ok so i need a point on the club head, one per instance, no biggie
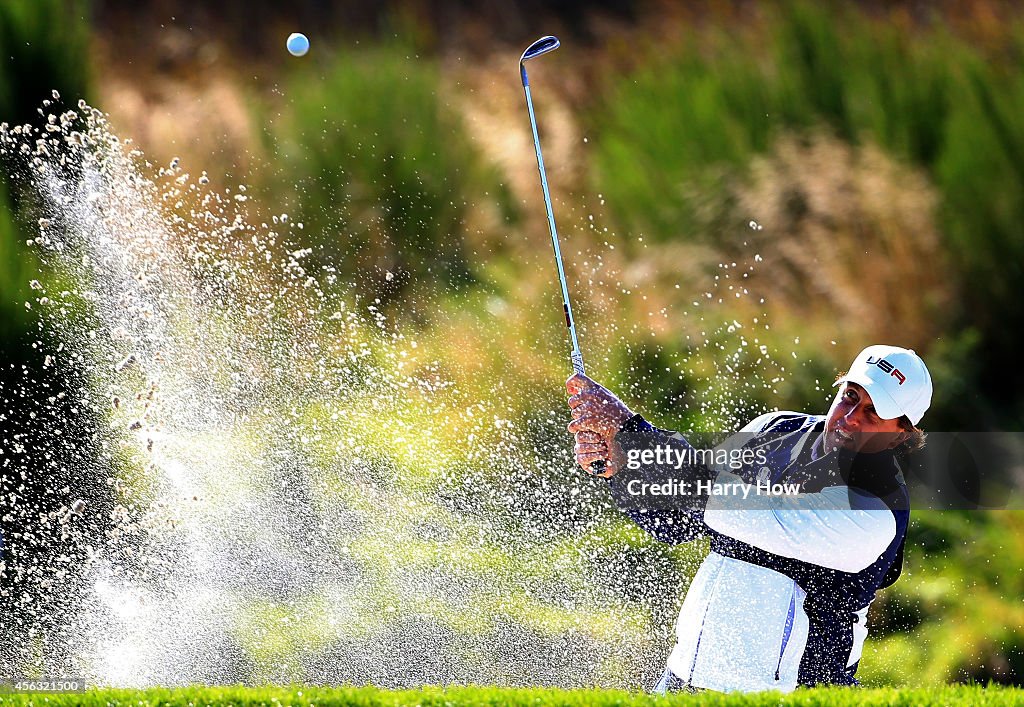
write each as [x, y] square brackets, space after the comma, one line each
[541, 46]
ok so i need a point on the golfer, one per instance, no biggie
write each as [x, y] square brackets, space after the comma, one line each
[782, 598]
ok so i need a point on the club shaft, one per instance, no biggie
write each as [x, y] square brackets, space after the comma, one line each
[576, 356]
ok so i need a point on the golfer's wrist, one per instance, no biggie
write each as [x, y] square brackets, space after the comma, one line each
[634, 433]
[616, 459]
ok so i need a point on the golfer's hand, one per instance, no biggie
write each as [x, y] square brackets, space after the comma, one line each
[591, 448]
[597, 416]
[595, 408]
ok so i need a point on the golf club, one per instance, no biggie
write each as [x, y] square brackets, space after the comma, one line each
[543, 46]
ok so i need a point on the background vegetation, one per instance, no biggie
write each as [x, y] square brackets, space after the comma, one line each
[747, 196]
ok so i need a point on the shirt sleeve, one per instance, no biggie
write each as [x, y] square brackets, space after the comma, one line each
[668, 521]
[839, 527]
[736, 442]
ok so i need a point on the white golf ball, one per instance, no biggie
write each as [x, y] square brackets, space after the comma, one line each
[298, 44]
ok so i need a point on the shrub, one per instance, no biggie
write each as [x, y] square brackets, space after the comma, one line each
[380, 168]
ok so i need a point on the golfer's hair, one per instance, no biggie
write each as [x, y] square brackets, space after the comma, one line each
[914, 443]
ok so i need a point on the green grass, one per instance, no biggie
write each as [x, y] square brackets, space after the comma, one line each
[456, 696]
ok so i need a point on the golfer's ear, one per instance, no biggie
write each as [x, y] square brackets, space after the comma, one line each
[577, 382]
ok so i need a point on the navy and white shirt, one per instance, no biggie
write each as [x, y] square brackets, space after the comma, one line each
[782, 598]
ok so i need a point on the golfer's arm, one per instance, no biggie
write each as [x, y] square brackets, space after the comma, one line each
[667, 521]
[840, 527]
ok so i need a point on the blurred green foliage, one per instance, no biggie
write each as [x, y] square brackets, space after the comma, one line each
[381, 171]
[370, 149]
[928, 98]
[956, 613]
[15, 272]
[44, 47]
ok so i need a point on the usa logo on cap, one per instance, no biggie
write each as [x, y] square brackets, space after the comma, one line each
[896, 379]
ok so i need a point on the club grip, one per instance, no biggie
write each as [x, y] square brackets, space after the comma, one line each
[597, 468]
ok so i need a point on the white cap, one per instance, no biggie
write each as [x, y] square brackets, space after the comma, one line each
[896, 379]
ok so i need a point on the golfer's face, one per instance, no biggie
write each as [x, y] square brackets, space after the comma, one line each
[854, 425]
